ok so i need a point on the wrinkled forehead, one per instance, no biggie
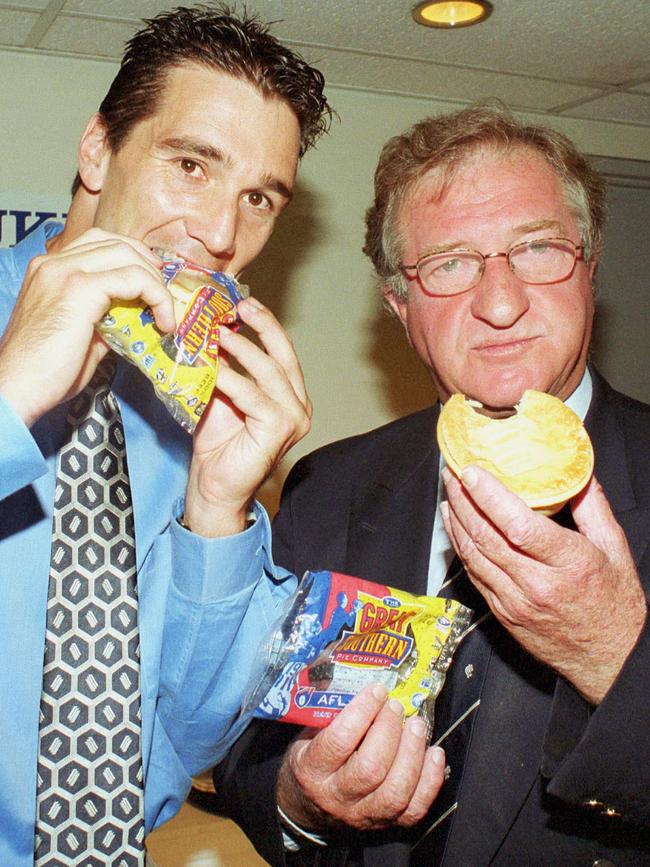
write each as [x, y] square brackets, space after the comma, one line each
[438, 176]
[436, 181]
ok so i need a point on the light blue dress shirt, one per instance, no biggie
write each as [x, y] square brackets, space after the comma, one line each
[204, 605]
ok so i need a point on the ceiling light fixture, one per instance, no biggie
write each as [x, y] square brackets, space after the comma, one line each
[451, 13]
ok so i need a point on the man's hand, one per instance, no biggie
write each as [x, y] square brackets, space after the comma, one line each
[50, 348]
[572, 599]
[251, 423]
[367, 770]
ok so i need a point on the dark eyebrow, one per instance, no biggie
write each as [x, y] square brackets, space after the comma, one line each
[277, 186]
[216, 155]
[198, 148]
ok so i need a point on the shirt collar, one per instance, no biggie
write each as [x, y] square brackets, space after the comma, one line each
[581, 398]
[34, 244]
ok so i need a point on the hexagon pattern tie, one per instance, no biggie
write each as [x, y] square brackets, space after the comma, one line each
[89, 803]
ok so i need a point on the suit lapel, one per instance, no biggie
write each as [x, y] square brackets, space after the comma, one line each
[612, 467]
[389, 539]
[391, 522]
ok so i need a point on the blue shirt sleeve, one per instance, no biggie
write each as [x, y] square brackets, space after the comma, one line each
[22, 461]
[223, 598]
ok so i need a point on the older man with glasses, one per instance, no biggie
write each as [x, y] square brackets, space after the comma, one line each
[485, 234]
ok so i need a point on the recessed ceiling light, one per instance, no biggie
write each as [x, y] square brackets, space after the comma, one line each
[451, 13]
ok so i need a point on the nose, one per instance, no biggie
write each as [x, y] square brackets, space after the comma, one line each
[500, 298]
[214, 225]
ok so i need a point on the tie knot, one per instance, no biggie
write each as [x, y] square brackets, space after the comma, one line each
[95, 397]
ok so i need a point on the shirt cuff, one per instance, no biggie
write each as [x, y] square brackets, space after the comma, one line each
[22, 461]
[210, 570]
[289, 828]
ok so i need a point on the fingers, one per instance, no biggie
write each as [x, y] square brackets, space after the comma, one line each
[428, 786]
[110, 269]
[96, 270]
[63, 296]
[124, 284]
[255, 417]
[512, 555]
[368, 769]
[371, 763]
[491, 581]
[100, 241]
[496, 521]
[313, 783]
[595, 520]
[334, 745]
[131, 283]
[95, 252]
[272, 425]
[274, 389]
[276, 342]
[413, 779]
[475, 539]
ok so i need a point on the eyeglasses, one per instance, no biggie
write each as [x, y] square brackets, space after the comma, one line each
[544, 260]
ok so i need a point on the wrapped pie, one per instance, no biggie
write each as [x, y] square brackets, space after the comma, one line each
[182, 365]
[342, 633]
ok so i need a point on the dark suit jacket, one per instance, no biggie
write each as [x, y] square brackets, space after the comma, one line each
[548, 779]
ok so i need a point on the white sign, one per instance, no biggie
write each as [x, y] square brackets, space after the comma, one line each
[21, 213]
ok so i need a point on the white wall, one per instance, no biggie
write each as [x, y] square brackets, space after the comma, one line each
[313, 273]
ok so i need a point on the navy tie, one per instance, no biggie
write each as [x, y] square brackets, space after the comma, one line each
[456, 709]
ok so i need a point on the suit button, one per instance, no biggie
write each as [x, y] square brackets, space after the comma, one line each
[603, 862]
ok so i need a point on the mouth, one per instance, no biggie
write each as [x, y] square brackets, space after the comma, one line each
[504, 348]
[168, 254]
[165, 253]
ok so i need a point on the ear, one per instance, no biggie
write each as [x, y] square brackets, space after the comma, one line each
[396, 304]
[593, 264]
[94, 154]
[399, 306]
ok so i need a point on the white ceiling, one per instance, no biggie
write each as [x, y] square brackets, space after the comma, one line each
[575, 58]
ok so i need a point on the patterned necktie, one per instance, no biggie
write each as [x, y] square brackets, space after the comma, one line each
[89, 802]
[456, 711]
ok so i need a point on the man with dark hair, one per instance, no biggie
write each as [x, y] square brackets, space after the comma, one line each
[242, 48]
[126, 653]
[485, 233]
